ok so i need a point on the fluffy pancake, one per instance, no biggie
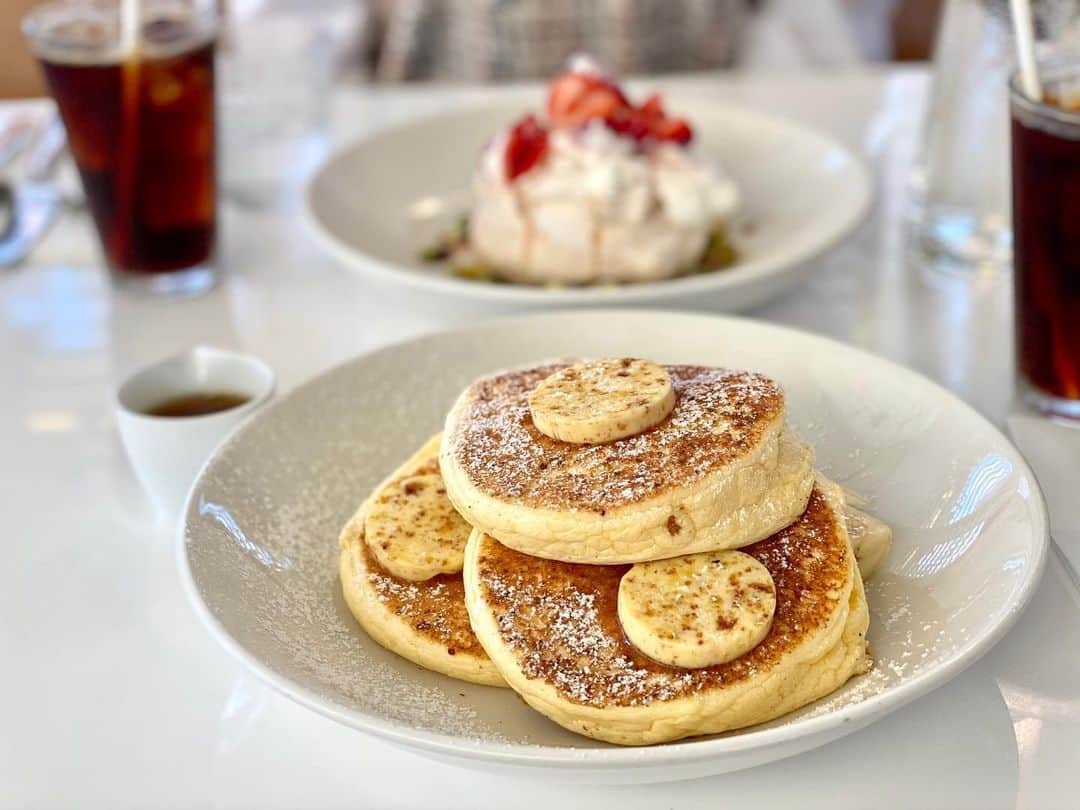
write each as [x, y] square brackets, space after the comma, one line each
[423, 621]
[721, 471]
[552, 630]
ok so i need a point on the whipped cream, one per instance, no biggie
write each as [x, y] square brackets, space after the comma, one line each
[598, 208]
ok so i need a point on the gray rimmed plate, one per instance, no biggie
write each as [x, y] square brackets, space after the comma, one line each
[258, 546]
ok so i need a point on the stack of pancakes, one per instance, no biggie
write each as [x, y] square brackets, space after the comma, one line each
[642, 552]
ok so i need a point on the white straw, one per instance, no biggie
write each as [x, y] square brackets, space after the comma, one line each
[1025, 49]
[129, 27]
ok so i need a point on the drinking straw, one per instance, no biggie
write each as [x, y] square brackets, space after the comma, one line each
[1032, 87]
[129, 28]
[1025, 49]
[226, 38]
[130, 22]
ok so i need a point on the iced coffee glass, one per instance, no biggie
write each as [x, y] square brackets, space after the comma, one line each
[139, 114]
[1046, 228]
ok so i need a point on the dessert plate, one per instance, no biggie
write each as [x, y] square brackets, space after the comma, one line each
[377, 203]
[258, 547]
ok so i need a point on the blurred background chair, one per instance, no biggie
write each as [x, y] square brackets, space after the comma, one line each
[511, 40]
[508, 40]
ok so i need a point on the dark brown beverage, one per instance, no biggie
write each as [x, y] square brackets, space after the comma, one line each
[1046, 237]
[141, 129]
[201, 404]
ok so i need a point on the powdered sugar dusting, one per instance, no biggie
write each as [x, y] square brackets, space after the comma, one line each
[576, 629]
[295, 619]
[434, 608]
[902, 644]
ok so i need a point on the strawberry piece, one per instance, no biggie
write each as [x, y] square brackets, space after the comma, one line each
[563, 94]
[652, 107]
[525, 147]
[629, 123]
[649, 122]
[676, 130]
[575, 98]
[595, 104]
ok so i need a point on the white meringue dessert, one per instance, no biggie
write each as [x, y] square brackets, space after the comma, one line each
[597, 191]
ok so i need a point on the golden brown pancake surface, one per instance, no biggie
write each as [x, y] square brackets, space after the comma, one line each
[434, 608]
[424, 621]
[560, 620]
[719, 415]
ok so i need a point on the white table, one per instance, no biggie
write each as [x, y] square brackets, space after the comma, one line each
[112, 695]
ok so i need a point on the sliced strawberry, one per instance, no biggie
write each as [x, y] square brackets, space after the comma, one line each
[649, 122]
[595, 104]
[629, 123]
[575, 98]
[525, 147]
[652, 107]
[676, 130]
[564, 92]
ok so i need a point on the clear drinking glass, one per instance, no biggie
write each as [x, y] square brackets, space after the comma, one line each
[1046, 223]
[140, 125]
[960, 199]
[960, 189]
[276, 68]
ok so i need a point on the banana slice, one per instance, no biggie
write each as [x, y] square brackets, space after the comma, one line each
[699, 609]
[413, 530]
[602, 400]
[870, 539]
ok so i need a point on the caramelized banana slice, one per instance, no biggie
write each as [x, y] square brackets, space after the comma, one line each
[602, 400]
[413, 530]
[697, 610]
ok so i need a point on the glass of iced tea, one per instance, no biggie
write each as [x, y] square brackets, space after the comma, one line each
[1046, 237]
[140, 124]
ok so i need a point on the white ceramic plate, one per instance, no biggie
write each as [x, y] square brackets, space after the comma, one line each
[259, 543]
[802, 191]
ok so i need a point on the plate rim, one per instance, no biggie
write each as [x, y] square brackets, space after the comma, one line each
[683, 752]
[369, 266]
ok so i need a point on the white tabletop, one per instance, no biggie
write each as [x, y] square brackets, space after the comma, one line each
[112, 694]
